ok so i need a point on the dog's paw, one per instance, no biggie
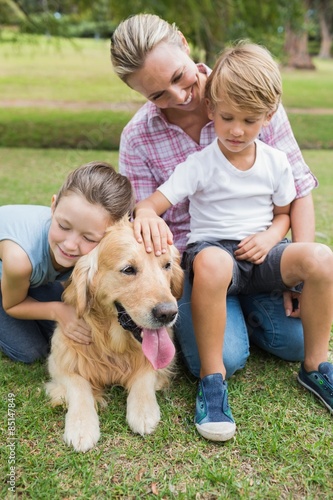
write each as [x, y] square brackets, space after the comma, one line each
[82, 431]
[144, 418]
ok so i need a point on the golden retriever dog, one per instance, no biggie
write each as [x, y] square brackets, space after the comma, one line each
[129, 299]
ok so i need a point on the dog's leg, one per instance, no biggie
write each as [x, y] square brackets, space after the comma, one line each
[82, 424]
[143, 412]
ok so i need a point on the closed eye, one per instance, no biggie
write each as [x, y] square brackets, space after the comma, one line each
[129, 270]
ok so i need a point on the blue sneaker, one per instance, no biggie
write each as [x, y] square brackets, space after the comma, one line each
[319, 382]
[213, 418]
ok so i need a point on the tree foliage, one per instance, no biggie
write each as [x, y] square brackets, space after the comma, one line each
[208, 24]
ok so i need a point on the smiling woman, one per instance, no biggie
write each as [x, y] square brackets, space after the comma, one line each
[39, 247]
[172, 125]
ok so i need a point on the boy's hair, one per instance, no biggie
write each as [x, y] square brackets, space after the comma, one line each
[245, 76]
[100, 184]
[135, 37]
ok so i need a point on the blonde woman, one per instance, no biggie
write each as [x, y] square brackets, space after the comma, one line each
[153, 58]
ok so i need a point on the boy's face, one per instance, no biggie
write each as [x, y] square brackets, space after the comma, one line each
[77, 227]
[237, 129]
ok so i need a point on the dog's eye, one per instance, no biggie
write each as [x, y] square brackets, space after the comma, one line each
[167, 265]
[129, 270]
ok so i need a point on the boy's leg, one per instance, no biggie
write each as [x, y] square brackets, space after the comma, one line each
[213, 271]
[312, 263]
[236, 342]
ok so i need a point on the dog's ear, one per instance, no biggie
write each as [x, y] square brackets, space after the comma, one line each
[79, 292]
[177, 277]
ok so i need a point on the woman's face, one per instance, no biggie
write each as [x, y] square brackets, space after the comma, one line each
[170, 79]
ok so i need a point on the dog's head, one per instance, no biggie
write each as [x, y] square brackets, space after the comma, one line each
[119, 279]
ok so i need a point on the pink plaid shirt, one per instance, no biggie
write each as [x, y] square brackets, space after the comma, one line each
[151, 147]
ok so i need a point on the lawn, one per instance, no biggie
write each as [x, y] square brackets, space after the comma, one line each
[282, 448]
[66, 95]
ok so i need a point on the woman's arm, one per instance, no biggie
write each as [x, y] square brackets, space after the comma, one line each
[303, 219]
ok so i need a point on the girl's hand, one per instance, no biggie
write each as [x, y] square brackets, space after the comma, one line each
[254, 248]
[153, 231]
[73, 327]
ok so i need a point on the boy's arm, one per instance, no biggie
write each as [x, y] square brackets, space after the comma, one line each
[255, 247]
[149, 228]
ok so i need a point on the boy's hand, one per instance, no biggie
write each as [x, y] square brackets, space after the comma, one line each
[254, 248]
[153, 231]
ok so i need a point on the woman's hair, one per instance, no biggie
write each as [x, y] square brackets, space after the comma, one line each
[135, 37]
[245, 76]
[100, 184]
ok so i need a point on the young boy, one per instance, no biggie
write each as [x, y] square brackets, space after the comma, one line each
[240, 192]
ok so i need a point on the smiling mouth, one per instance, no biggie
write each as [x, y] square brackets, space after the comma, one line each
[188, 100]
[67, 255]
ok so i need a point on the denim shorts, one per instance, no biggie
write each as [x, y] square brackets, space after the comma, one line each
[247, 277]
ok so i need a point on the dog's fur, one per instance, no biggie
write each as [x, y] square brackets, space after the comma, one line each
[117, 271]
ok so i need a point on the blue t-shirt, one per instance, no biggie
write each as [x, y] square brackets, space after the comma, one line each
[28, 226]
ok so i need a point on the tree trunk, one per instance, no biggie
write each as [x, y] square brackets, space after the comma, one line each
[296, 44]
[326, 36]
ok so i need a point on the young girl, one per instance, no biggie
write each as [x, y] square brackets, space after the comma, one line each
[39, 247]
[240, 191]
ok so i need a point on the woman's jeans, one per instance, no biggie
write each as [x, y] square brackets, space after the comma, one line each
[259, 318]
[29, 340]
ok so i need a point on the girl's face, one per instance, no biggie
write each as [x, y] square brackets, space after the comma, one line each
[170, 79]
[77, 227]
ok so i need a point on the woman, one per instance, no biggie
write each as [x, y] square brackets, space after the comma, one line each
[152, 57]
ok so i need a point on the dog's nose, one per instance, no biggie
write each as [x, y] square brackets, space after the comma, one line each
[165, 312]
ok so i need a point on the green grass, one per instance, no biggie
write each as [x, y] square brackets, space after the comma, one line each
[37, 70]
[50, 69]
[309, 89]
[283, 445]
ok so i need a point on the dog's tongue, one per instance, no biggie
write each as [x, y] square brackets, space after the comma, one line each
[157, 347]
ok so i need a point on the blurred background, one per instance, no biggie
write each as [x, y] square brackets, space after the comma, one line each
[294, 30]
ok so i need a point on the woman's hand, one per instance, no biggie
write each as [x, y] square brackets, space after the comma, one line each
[292, 304]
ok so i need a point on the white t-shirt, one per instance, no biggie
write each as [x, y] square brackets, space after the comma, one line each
[227, 203]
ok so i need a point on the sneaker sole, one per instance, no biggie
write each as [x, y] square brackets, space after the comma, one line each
[315, 393]
[216, 436]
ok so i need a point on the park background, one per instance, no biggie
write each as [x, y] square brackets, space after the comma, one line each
[61, 106]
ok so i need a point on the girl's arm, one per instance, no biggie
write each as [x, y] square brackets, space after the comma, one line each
[15, 283]
[149, 228]
[255, 247]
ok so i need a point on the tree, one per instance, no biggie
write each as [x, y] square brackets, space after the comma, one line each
[325, 16]
[296, 40]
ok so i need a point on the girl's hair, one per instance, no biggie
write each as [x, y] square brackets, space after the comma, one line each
[135, 37]
[100, 184]
[245, 76]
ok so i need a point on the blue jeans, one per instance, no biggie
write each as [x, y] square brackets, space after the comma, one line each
[29, 340]
[257, 318]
